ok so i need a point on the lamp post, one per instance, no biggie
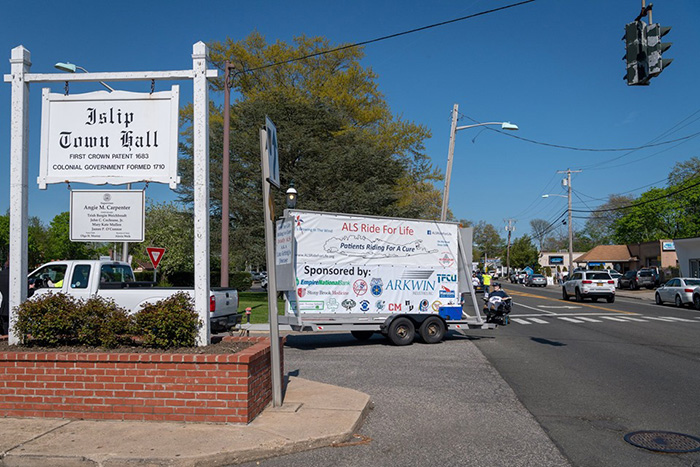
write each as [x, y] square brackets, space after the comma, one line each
[571, 232]
[453, 131]
[291, 196]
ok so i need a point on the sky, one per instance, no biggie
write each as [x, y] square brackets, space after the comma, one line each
[552, 67]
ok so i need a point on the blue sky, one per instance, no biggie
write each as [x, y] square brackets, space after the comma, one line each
[552, 67]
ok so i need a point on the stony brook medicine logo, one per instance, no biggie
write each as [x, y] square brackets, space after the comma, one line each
[376, 286]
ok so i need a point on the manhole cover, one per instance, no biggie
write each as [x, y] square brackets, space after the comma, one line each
[663, 441]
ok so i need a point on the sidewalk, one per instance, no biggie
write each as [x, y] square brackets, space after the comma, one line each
[312, 415]
[641, 294]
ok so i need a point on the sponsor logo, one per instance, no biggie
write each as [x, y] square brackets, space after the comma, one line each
[298, 221]
[436, 305]
[424, 304]
[364, 305]
[348, 304]
[394, 307]
[446, 259]
[301, 292]
[417, 274]
[446, 293]
[376, 286]
[332, 304]
[408, 306]
[381, 304]
[312, 306]
[446, 278]
[322, 282]
[359, 287]
[411, 285]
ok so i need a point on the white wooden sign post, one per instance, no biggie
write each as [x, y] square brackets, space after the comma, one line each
[20, 79]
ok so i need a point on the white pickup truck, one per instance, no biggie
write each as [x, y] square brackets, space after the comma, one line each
[115, 280]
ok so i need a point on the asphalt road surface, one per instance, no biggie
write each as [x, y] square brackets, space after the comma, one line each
[592, 372]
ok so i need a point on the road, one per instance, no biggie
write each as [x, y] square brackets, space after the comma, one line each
[592, 372]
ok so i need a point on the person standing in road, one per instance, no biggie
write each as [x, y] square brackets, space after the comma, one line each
[486, 279]
[5, 299]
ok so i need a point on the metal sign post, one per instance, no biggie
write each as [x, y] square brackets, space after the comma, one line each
[268, 202]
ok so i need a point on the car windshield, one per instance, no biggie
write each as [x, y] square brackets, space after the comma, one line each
[644, 273]
[538, 276]
[692, 282]
[598, 275]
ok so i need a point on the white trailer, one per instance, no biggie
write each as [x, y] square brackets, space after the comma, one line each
[365, 274]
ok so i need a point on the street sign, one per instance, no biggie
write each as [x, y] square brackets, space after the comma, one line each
[107, 215]
[272, 153]
[102, 137]
[156, 254]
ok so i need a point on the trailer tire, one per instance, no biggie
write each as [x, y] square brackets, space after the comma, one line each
[401, 331]
[432, 330]
[362, 335]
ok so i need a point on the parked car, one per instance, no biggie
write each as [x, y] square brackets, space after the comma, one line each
[656, 273]
[615, 276]
[536, 280]
[645, 278]
[589, 284]
[258, 275]
[679, 290]
[629, 280]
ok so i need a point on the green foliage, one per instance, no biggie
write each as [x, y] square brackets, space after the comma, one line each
[4, 238]
[50, 319]
[102, 323]
[488, 241]
[524, 253]
[59, 245]
[171, 322]
[548, 271]
[241, 280]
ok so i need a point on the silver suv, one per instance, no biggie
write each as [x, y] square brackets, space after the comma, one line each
[589, 284]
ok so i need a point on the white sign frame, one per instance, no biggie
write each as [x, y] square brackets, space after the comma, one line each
[97, 222]
[150, 164]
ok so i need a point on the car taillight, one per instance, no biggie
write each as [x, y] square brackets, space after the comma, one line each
[586, 282]
[689, 290]
[212, 304]
[611, 282]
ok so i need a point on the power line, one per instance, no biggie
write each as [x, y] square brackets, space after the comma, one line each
[383, 38]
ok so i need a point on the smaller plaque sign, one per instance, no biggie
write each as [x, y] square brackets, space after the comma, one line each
[107, 215]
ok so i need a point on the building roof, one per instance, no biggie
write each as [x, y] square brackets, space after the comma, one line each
[606, 254]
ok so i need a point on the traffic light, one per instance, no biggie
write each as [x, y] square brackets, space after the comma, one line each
[655, 48]
[636, 54]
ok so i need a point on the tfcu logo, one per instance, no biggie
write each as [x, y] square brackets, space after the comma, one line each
[446, 293]
[446, 278]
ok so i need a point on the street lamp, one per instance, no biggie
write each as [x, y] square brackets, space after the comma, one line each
[291, 196]
[72, 67]
[450, 153]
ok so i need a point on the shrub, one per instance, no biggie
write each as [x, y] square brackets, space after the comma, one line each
[241, 280]
[50, 319]
[103, 323]
[171, 322]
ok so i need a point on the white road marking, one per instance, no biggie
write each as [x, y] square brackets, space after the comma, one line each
[573, 320]
[589, 319]
[679, 319]
[630, 318]
[521, 321]
[539, 321]
[536, 309]
[558, 306]
[613, 318]
[658, 318]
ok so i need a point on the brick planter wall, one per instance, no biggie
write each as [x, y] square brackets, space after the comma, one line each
[225, 388]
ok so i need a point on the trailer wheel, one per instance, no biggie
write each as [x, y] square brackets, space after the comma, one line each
[401, 331]
[432, 330]
[362, 335]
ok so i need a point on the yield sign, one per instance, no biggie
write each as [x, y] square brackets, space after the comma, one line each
[156, 254]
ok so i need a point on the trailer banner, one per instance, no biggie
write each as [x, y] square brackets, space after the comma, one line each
[352, 264]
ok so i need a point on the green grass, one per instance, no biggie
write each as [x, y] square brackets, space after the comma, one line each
[257, 301]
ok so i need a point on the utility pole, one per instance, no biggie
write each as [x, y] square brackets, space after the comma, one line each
[567, 181]
[510, 228]
[225, 183]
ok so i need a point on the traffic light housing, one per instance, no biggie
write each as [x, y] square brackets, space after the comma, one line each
[636, 54]
[656, 48]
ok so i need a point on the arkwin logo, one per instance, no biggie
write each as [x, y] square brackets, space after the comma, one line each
[410, 285]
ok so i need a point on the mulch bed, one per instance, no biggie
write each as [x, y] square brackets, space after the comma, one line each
[218, 346]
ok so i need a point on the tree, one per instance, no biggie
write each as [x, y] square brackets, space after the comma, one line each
[524, 253]
[600, 226]
[170, 227]
[540, 229]
[338, 140]
[4, 238]
[58, 244]
[684, 171]
[487, 240]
